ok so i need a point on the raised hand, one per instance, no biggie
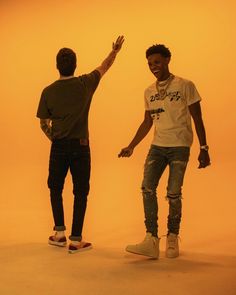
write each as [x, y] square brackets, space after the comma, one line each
[116, 46]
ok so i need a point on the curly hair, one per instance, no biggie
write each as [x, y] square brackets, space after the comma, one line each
[66, 61]
[158, 48]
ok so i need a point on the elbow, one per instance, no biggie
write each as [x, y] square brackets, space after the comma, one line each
[147, 125]
[101, 71]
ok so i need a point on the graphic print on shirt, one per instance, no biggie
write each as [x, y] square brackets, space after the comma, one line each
[175, 95]
[155, 114]
[171, 96]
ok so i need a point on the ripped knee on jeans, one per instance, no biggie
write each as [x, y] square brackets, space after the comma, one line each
[173, 197]
[148, 192]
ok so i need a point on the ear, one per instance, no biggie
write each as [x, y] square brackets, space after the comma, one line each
[167, 60]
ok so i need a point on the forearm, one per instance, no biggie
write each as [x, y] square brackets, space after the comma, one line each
[140, 134]
[46, 127]
[203, 158]
[196, 113]
[109, 60]
[201, 133]
[107, 63]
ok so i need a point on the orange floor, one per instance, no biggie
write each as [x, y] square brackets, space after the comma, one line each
[207, 264]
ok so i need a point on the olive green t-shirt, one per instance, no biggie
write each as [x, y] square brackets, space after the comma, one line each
[66, 103]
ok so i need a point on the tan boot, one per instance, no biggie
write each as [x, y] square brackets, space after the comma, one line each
[148, 247]
[172, 246]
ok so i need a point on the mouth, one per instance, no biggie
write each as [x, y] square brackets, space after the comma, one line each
[156, 72]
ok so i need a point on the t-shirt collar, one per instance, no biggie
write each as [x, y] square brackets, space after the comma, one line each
[66, 77]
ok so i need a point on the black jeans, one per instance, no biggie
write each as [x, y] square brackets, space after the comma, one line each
[73, 154]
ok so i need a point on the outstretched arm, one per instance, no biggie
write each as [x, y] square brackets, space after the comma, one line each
[106, 64]
[140, 134]
[45, 125]
[196, 113]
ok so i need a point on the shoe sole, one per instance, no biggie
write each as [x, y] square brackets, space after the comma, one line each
[80, 250]
[58, 244]
[172, 256]
[150, 256]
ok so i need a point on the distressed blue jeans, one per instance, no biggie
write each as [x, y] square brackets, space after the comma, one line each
[156, 162]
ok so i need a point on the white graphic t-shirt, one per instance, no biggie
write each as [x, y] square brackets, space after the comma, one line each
[170, 113]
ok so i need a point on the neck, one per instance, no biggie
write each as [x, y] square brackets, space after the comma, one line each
[66, 77]
[165, 76]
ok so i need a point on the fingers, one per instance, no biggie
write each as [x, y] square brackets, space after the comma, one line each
[203, 164]
[118, 44]
[204, 159]
[125, 152]
[120, 39]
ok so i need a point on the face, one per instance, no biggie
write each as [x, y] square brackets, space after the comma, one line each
[158, 65]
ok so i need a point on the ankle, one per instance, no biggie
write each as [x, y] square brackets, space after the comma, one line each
[75, 243]
[60, 234]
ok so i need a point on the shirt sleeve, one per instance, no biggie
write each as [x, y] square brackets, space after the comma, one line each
[43, 112]
[191, 93]
[92, 80]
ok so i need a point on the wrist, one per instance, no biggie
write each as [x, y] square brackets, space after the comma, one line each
[131, 146]
[204, 147]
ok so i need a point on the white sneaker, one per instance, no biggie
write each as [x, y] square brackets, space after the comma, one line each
[172, 246]
[148, 247]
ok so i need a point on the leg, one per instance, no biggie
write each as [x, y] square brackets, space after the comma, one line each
[58, 167]
[155, 164]
[177, 165]
[153, 169]
[80, 170]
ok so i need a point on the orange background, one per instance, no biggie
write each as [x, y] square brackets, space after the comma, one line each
[201, 37]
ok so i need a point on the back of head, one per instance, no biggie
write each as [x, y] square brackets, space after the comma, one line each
[66, 61]
[158, 49]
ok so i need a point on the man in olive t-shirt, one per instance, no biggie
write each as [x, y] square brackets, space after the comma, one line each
[66, 102]
[63, 111]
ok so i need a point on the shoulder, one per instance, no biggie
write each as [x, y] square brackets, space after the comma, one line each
[183, 81]
[49, 87]
[94, 75]
[189, 90]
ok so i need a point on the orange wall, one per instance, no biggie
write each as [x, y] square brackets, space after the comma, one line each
[200, 35]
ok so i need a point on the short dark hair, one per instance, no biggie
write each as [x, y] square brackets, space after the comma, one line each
[158, 48]
[66, 61]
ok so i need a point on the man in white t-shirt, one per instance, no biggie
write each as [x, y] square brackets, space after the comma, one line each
[170, 103]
